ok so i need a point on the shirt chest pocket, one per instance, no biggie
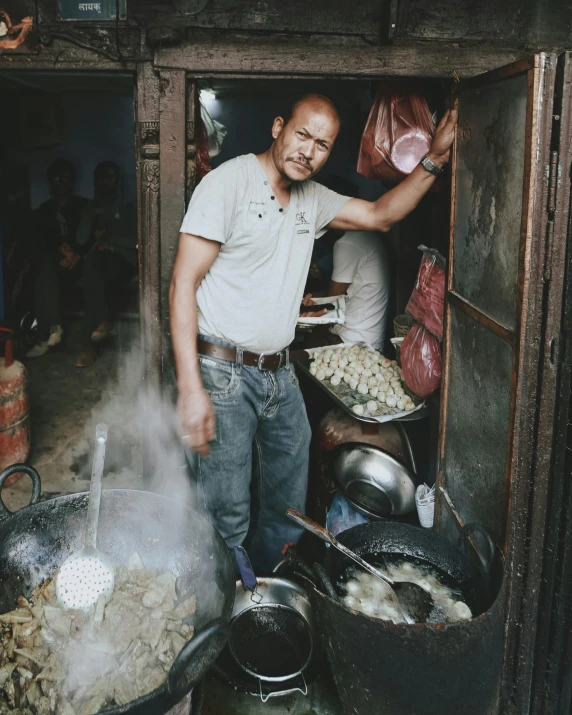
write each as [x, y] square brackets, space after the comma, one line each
[257, 218]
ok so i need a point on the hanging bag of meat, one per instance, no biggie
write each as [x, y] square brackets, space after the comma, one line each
[398, 133]
[427, 301]
[421, 361]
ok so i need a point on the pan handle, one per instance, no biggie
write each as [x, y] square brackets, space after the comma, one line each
[245, 569]
[325, 583]
[486, 560]
[296, 684]
[196, 657]
[36, 486]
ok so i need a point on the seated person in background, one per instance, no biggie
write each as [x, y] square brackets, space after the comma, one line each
[55, 226]
[109, 226]
[360, 270]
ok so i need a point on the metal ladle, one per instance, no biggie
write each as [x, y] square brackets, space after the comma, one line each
[87, 574]
[415, 602]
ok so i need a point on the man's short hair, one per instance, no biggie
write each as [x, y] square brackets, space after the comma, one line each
[316, 97]
[58, 166]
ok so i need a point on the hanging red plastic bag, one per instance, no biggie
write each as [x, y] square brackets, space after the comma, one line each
[421, 361]
[427, 301]
[398, 133]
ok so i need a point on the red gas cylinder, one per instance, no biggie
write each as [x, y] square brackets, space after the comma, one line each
[14, 409]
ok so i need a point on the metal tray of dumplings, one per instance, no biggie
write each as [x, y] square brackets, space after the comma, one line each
[342, 392]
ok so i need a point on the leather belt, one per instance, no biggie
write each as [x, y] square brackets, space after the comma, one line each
[263, 361]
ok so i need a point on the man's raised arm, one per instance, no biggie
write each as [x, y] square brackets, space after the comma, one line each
[395, 205]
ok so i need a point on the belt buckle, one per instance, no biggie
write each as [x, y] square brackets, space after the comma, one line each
[261, 357]
[261, 361]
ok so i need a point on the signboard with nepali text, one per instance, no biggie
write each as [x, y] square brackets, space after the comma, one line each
[99, 10]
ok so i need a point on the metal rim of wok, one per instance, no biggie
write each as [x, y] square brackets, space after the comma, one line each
[373, 480]
[246, 633]
[397, 541]
[36, 539]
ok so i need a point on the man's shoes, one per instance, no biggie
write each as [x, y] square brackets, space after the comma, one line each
[101, 332]
[86, 358]
[38, 350]
[56, 334]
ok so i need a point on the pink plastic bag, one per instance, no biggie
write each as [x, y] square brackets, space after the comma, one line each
[427, 301]
[421, 361]
[398, 133]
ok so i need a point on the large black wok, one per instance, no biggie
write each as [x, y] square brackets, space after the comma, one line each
[427, 668]
[36, 540]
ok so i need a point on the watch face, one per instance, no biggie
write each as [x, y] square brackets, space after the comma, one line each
[430, 166]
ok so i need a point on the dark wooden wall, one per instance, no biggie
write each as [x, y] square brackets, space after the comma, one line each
[540, 24]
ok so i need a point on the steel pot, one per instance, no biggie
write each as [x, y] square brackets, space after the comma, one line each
[373, 480]
[274, 646]
[36, 540]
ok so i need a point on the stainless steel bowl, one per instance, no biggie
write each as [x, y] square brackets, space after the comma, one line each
[376, 483]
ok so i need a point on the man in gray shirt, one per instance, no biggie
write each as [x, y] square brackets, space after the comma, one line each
[243, 257]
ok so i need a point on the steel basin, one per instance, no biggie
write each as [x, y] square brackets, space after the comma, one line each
[373, 480]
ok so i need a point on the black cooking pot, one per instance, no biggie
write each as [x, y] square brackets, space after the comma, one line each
[426, 669]
[37, 539]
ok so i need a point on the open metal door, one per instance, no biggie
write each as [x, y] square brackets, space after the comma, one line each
[498, 405]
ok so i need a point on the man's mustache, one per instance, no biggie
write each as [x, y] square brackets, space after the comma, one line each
[301, 160]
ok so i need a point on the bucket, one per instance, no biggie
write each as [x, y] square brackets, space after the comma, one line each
[426, 669]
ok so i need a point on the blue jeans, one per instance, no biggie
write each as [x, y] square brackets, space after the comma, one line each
[258, 466]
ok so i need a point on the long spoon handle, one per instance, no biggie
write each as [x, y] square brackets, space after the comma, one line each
[306, 523]
[95, 486]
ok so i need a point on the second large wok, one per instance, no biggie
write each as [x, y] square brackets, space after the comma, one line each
[36, 540]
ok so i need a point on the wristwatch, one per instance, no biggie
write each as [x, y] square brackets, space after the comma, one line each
[431, 167]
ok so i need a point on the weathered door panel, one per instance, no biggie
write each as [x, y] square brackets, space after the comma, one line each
[490, 174]
[477, 492]
[498, 171]
[503, 333]
[492, 328]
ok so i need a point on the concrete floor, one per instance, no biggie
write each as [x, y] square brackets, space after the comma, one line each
[65, 405]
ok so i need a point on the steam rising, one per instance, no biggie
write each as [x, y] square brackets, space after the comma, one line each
[142, 428]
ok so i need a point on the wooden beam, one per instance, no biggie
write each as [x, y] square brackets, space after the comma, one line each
[172, 161]
[318, 56]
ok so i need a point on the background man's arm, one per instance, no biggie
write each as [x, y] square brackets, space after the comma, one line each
[337, 288]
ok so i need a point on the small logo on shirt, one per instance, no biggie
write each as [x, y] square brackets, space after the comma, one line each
[301, 218]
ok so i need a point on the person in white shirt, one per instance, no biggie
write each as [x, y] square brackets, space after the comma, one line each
[361, 270]
[243, 257]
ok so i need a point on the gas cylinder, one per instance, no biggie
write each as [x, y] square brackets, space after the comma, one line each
[14, 408]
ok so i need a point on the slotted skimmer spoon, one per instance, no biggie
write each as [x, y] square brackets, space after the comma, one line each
[416, 603]
[87, 574]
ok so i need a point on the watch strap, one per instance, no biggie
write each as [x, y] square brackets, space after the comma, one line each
[430, 166]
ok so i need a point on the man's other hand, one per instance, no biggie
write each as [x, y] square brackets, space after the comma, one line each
[443, 139]
[307, 300]
[197, 420]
